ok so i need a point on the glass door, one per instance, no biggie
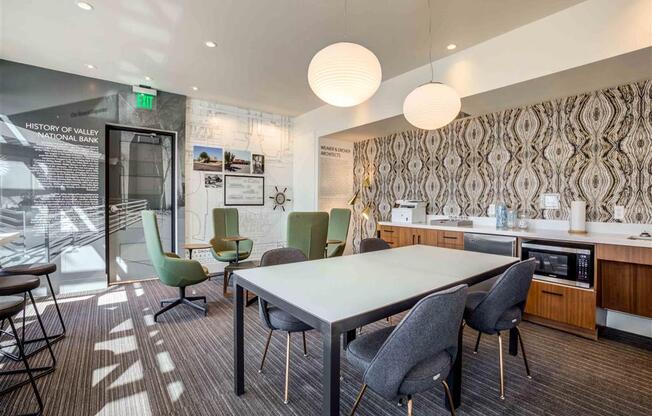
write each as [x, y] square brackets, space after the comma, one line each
[140, 172]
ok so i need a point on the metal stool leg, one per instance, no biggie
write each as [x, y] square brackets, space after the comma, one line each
[56, 305]
[28, 370]
[45, 338]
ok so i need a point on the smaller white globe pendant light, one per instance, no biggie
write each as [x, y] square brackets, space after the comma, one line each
[431, 106]
[344, 74]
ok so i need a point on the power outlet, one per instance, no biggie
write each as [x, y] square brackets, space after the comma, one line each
[492, 210]
[619, 212]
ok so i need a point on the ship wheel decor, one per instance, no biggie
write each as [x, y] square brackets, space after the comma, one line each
[280, 198]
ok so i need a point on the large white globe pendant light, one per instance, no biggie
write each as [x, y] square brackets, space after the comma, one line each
[344, 74]
[432, 105]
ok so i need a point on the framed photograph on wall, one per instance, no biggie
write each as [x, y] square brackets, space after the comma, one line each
[241, 190]
[258, 164]
[237, 161]
[207, 158]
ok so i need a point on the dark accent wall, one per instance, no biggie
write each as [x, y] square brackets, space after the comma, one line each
[52, 181]
[595, 146]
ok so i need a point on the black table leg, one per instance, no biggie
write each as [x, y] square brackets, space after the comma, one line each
[348, 337]
[513, 341]
[331, 375]
[238, 340]
[454, 378]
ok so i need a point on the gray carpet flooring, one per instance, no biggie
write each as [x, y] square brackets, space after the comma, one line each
[116, 361]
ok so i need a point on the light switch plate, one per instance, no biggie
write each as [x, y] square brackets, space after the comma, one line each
[492, 210]
[550, 201]
[619, 212]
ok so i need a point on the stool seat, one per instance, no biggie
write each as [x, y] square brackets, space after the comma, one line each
[14, 284]
[37, 269]
[10, 306]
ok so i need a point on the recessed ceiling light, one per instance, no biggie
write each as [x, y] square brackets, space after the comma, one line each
[195, 89]
[148, 78]
[451, 46]
[85, 6]
[210, 44]
[90, 66]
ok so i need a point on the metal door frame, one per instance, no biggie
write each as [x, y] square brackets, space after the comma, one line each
[173, 159]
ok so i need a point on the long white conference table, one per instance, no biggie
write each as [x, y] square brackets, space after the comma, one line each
[337, 295]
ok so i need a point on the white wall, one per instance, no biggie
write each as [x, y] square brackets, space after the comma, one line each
[215, 125]
[588, 32]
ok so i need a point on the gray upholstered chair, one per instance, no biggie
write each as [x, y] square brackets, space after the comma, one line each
[373, 244]
[417, 354]
[501, 309]
[276, 319]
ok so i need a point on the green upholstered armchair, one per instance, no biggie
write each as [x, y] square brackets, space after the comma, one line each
[307, 232]
[226, 224]
[338, 229]
[172, 270]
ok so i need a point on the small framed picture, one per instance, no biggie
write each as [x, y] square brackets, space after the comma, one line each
[213, 181]
[207, 158]
[258, 164]
[242, 190]
[237, 161]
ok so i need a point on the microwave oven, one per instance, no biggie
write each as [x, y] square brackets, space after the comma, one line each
[560, 262]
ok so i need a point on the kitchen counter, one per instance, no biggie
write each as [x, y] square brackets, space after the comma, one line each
[538, 233]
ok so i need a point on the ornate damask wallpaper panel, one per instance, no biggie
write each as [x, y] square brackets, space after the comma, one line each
[595, 146]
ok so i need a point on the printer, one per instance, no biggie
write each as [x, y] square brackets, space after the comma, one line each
[410, 212]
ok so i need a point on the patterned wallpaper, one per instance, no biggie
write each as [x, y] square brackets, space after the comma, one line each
[595, 146]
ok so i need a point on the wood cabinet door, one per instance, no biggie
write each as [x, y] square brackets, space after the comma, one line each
[389, 235]
[617, 285]
[430, 238]
[406, 236]
[450, 239]
[565, 304]
[643, 290]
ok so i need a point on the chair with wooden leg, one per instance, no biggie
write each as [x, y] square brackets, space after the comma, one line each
[276, 319]
[501, 309]
[338, 231]
[416, 355]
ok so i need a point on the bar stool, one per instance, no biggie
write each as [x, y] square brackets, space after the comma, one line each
[40, 269]
[9, 307]
[23, 285]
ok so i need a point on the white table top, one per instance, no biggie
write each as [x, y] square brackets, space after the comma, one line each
[341, 287]
[8, 237]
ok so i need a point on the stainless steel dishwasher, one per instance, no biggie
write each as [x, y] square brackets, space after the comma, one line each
[492, 244]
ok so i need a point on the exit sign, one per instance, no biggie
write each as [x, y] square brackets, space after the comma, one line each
[144, 101]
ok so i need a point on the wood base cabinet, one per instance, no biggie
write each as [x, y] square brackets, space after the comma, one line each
[398, 236]
[626, 287]
[569, 307]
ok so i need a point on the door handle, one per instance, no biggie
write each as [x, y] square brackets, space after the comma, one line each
[412, 238]
[419, 239]
[547, 292]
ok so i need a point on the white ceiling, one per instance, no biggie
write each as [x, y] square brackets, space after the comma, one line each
[264, 46]
[619, 70]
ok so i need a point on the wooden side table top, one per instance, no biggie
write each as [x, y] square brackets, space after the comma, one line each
[235, 238]
[196, 246]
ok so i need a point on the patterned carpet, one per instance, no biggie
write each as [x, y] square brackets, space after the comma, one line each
[117, 361]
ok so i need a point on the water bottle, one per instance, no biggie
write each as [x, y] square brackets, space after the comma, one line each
[501, 215]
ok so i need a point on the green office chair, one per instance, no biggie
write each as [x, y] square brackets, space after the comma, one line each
[172, 270]
[307, 232]
[226, 224]
[338, 230]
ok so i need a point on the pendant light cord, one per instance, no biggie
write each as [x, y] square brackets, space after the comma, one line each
[346, 23]
[432, 67]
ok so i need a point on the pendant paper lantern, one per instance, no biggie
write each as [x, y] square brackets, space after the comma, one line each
[431, 106]
[344, 74]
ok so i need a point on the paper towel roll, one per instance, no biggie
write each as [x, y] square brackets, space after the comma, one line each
[578, 217]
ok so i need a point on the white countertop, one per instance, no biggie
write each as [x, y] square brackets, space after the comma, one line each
[481, 226]
[337, 288]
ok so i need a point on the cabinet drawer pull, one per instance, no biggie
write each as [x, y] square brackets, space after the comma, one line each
[388, 231]
[547, 292]
[450, 238]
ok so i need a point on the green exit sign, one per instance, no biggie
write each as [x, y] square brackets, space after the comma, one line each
[144, 101]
